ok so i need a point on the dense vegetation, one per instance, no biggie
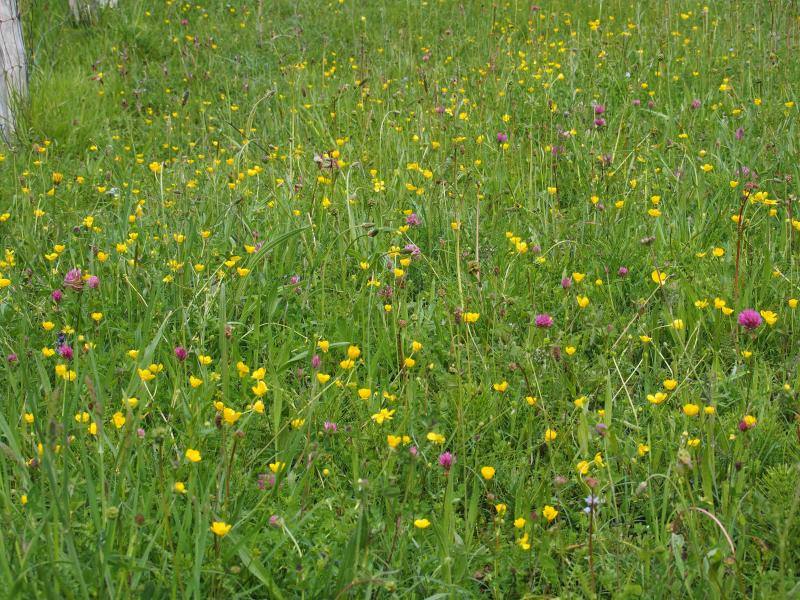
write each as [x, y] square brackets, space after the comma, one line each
[414, 299]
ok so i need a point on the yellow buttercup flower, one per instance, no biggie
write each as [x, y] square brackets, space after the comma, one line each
[220, 528]
[658, 277]
[691, 410]
[422, 523]
[549, 513]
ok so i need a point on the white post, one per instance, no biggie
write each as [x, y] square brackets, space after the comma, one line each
[85, 11]
[13, 66]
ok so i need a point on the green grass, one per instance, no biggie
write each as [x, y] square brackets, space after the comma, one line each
[183, 140]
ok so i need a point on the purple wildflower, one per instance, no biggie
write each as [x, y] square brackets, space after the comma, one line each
[74, 280]
[543, 321]
[413, 219]
[749, 319]
[446, 460]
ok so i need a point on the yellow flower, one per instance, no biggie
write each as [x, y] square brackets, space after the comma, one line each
[193, 455]
[260, 388]
[549, 513]
[422, 523]
[259, 374]
[471, 317]
[353, 352]
[323, 345]
[179, 487]
[230, 416]
[195, 381]
[383, 415]
[570, 350]
[146, 375]
[678, 324]
[97, 317]
[204, 360]
[656, 398]
[500, 387]
[48, 325]
[393, 440]
[583, 301]
[691, 410]
[645, 339]
[519, 522]
[670, 384]
[323, 378]
[707, 168]
[523, 542]
[642, 449]
[658, 277]
[578, 277]
[792, 302]
[28, 417]
[550, 435]
[220, 528]
[119, 420]
[364, 393]
[277, 467]
[155, 167]
[436, 438]
[487, 472]
[770, 317]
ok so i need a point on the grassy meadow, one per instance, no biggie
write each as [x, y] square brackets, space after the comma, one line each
[403, 299]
